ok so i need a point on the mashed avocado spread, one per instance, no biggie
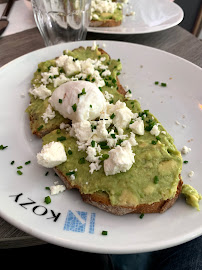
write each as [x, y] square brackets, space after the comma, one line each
[154, 175]
[192, 196]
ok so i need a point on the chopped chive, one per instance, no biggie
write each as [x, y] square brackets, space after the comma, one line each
[39, 70]
[129, 91]
[104, 232]
[111, 101]
[185, 161]
[163, 84]
[154, 142]
[70, 173]
[19, 167]
[19, 172]
[60, 100]
[156, 179]
[12, 162]
[46, 173]
[47, 188]
[47, 200]
[141, 216]
[70, 152]
[27, 162]
[82, 160]
[104, 157]
[113, 81]
[119, 141]
[74, 107]
[91, 106]
[93, 143]
[100, 88]
[62, 138]
[39, 128]
[82, 93]
[113, 136]
[158, 138]
[156, 82]
[2, 147]
[112, 116]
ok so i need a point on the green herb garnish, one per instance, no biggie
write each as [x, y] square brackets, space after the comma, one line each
[163, 84]
[12, 162]
[185, 161]
[60, 100]
[27, 162]
[82, 93]
[104, 156]
[70, 173]
[47, 200]
[69, 152]
[112, 116]
[62, 138]
[2, 147]
[93, 143]
[74, 107]
[39, 128]
[19, 172]
[141, 216]
[156, 179]
[82, 160]
[104, 232]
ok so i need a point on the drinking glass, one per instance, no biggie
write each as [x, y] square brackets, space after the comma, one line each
[61, 21]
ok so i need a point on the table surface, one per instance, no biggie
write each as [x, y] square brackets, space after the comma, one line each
[175, 40]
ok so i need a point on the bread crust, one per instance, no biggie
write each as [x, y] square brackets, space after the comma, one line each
[101, 200]
[107, 23]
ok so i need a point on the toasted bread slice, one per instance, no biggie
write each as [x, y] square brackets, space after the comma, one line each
[100, 196]
[106, 19]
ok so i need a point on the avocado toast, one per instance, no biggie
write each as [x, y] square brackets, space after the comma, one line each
[147, 179]
[106, 13]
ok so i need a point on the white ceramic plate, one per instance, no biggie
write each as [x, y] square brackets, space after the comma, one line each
[150, 16]
[67, 221]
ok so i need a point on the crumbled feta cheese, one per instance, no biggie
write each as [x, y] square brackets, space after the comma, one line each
[191, 173]
[138, 126]
[49, 114]
[60, 80]
[122, 114]
[57, 189]
[103, 6]
[51, 155]
[120, 159]
[82, 130]
[108, 96]
[61, 60]
[185, 150]
[128, 95]
[107, 72]
[41, 92]
[177, 122]
[155, 131]
[94, 166]
[71, 67]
